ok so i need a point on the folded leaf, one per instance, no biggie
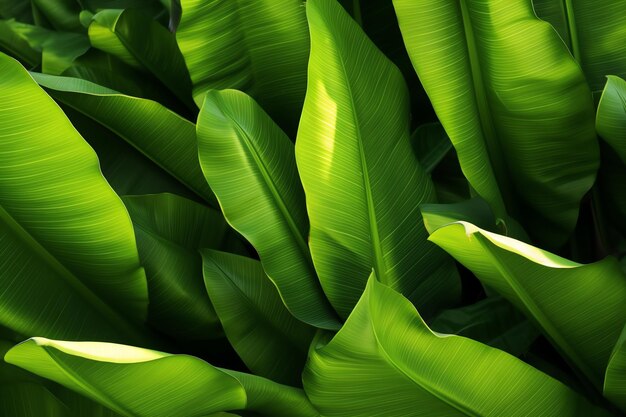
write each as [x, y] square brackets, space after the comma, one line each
[514, 103]
[578, 307]
[160, 134]
[170, 230]
[67, 249]
[249, 163]
[140, 382]
[362, 182]
[256, 46]
[594, 32]
[270, 341]
[611, 116]
[385, 361]
[615, 377]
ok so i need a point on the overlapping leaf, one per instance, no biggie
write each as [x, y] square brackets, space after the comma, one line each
[611, 117]
[363, 184]
[132, 36]
[256, 46]
[249, 163]
[170, 231]
[270, 341]
[68, 257]
[385, 361]
[578, 307]
[161, 135]
[140, 382]
[514, 103]
[594, 31]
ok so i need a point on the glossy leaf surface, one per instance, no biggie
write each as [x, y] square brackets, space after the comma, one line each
[363, 184]
[514, 103]
[385, 361]
[578, 307]
[67, 239]
[249, 163]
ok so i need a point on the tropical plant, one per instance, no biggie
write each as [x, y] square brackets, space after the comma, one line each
[331, 208]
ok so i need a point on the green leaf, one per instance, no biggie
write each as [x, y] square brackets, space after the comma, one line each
[139, 382]
[23, 394]
[578, 307]
[62, 14]
[125, 168]
[132, 36]
[514, 103]
[492, 321]
[385, 361]
[160, 134]
[249, 164]
[260, 47]
[615, 377]
[611, 116]
[594, 32]
[270, 341]
[362, 182]
[67, 250]
[57, 49]
[12, 43]
[170, 230]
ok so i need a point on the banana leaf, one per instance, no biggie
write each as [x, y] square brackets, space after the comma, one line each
[362, 182]
[385, 361]
[611, 116]
[137, 382]
[578, 307]
[257, 46]
[270, 341]
[68, 256]
[249, 163]
[515, 104]
[594, 33]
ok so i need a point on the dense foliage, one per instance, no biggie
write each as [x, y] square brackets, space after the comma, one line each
[331, 208]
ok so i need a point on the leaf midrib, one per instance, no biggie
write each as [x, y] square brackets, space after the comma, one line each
[252, 305]
[536, 312]
[72, 280]
[492, 144]
[276, 195]
[377, 252]
[423, 384]
[112, 404]
[59, 96]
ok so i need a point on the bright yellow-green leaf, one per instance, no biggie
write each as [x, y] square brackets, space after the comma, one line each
[139, 382]
[362, 181]
[68, 255]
